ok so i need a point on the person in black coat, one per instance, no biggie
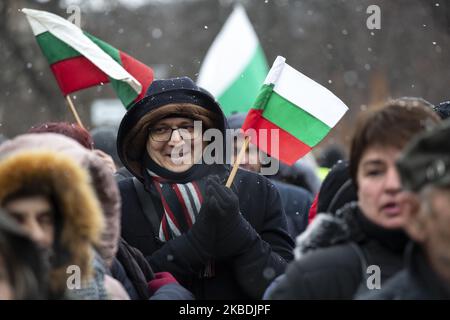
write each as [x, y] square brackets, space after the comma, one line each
[218, 242]
[296, 202]
[425, 173]
[362, 245]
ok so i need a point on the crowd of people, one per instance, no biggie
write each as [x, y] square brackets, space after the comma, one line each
[136, 214]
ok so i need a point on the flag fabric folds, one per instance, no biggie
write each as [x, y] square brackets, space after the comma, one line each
[301, 111]
[234, 67]
[78, 60]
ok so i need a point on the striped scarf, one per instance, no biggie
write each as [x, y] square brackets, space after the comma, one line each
[181, 203]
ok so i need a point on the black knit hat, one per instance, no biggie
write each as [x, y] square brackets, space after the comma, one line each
[337, 189]
[133, 130]
[426, 159]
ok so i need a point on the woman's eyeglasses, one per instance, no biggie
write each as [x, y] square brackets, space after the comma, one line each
[164, 133]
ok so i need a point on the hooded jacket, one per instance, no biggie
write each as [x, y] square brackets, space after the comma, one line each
[333, 256]
[268, 246]
[78, 207]
[101, 180]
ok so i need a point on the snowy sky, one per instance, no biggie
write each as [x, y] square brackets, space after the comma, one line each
[99, 5]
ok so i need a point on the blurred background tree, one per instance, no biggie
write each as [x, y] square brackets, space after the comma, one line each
[327, 40]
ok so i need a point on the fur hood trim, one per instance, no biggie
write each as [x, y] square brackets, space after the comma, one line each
[80, 210]
[327, 230]
[102, 181]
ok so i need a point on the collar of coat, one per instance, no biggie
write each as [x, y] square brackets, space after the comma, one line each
[348, 225]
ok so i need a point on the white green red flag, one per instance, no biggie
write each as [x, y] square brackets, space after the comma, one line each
[78, 60]
[301, 111]
[234, 67]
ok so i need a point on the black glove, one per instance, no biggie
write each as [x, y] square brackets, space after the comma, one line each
[203, 234]
[223, 202]
[233, 231]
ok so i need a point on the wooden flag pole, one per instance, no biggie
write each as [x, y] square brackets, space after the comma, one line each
[237, 162]
[74, 111]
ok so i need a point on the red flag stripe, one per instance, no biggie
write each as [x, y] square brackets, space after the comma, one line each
[76, 74]
[290, 148]
[142, 72]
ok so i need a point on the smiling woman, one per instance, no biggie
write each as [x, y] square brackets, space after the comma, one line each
[175, 143]
[335, 253]
[220, 243]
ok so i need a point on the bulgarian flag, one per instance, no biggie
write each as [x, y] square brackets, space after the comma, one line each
[234, 67]
[301, 111]
[79, 60]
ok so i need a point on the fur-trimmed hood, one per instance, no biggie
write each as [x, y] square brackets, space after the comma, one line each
[327, 230]
[348, 225]
[100, 176]
[82, 219]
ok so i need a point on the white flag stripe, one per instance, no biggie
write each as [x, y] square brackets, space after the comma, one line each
[187, 202]
[74, 37]
[229, 54]
[195, 196]
[35, 25]
[275, 71]
[310, 96]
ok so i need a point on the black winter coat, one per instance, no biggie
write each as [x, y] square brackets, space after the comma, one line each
[132, 270]
[417, 281]
[333, 254]
[296, 202]
[244, 276]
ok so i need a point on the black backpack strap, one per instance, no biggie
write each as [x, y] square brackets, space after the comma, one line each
[364, 265]
[362, 258]
[147, 206]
